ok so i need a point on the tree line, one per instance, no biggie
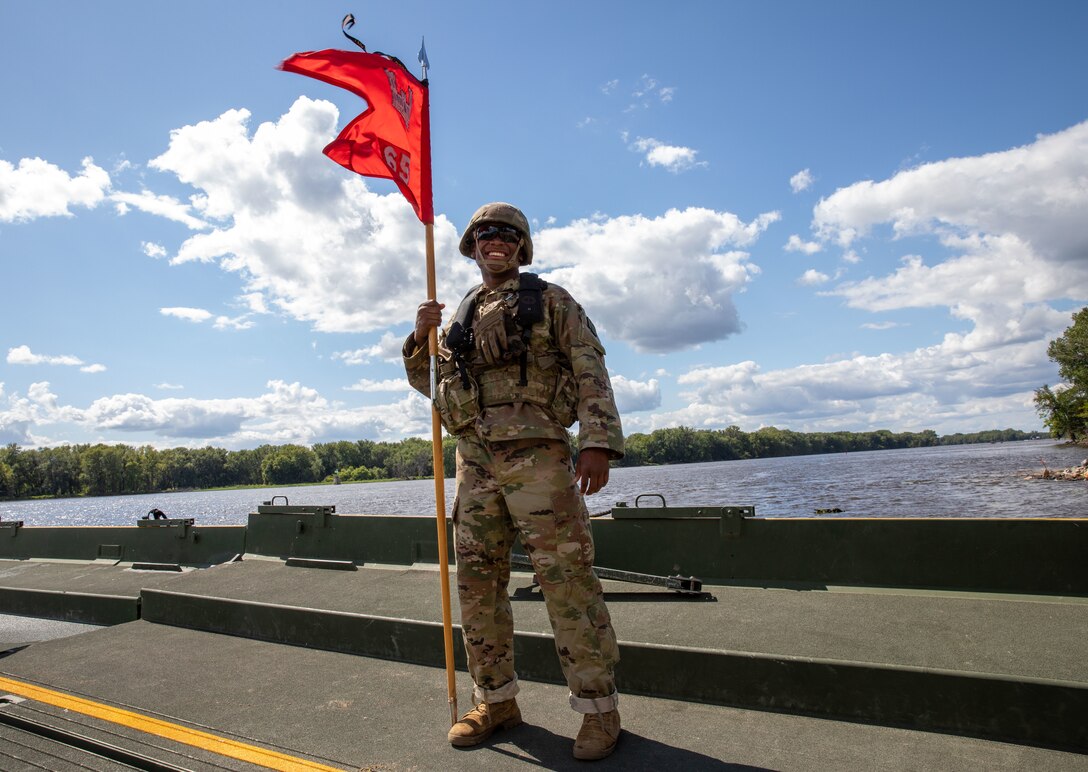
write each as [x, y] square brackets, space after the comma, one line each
[681, 445]
[102, 470]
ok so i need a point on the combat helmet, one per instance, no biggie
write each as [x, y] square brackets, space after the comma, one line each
[498, 212]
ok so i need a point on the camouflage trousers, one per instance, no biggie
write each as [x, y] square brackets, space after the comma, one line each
[527, 487]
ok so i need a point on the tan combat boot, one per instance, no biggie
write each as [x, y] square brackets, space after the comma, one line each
[478, 724]
[598, 736]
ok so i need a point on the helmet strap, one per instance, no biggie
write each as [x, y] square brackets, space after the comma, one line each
[514, 261]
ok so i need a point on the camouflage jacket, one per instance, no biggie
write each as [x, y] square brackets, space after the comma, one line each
[571, 334]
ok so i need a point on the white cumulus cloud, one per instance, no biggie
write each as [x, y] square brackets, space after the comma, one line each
[151, 249]
[1013, 226]
[21, 417]
[306, 237]
[660, 284]
[1037, 193]
[284, 413]
[673, 158]
[387, 349]
[162, 206]
[1014, 237]
[37, 188]
[233, 323]
[812, 277]
[801, 181]
[287, 412]
[633, 396]
[950, 386]
[1011, 237]
[797, 244]
[22, 355]
[196, 315]
[311, 241]
[391, 384]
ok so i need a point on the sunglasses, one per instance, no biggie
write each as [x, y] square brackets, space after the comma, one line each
[499, 232]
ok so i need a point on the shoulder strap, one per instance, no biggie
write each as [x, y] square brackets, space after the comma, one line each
[459, 336]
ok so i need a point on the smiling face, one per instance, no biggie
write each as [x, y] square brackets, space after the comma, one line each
[497, 252]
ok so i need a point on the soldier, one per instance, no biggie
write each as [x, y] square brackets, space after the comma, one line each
[519, 363]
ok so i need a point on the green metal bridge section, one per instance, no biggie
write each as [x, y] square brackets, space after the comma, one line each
[969, 626]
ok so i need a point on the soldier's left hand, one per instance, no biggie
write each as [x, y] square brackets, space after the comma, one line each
[591, 471]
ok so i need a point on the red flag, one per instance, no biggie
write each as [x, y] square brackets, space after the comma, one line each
[392, 138]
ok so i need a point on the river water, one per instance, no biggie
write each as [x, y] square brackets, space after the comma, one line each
[951, 481]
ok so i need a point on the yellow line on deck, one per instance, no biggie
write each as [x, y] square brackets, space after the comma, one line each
[209, 742]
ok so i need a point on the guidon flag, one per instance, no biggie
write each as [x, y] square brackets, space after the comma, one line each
[391, 138]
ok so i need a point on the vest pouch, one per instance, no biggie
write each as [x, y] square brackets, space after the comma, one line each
[457, 406]
[502, 386]
[565, 404]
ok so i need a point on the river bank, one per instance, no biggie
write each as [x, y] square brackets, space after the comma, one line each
[217, 489]
[990, 480]
[1079, 472]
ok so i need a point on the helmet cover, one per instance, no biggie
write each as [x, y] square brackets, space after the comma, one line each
[504, 214]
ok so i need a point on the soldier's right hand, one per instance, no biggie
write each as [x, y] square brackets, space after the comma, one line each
[428, 316]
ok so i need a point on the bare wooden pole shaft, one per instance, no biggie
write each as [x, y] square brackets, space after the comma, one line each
[440, 491]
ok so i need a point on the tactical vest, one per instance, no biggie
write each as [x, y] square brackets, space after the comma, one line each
[539, 375]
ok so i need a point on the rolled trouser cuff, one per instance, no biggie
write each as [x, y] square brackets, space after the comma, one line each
[595, 704]
[505, 692]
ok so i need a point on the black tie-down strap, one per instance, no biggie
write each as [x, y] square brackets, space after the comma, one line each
[687, 586]
[530, 311]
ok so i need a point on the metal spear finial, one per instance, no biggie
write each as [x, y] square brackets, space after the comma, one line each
[423, 56]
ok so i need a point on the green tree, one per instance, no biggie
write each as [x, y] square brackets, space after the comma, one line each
[243, 467]
[411, 458]
[102, 470]
[634, 450]
[380, 455]
[7, 481]
[449, 456]
[291, 464]
[360, 473]
[675, 445]
[344, 454]
[928, 438]
[1065, 410]
[1070, 351]
[176, 469]
[147, 465]
[26, 466]
[770, 441]
[209, 467]
[1062, 411]
[61, 470]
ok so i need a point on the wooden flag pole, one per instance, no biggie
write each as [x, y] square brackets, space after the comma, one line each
[440, 490]
[355, 71]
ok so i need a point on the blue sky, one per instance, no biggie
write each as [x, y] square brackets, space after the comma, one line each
[817, 216]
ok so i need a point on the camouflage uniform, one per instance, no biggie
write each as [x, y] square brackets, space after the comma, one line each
[514, 476]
